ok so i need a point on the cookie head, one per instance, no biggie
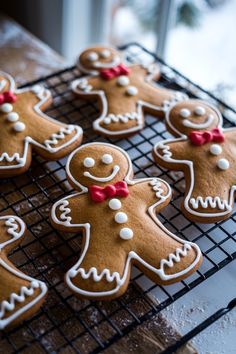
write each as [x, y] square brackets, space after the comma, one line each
[98, 58]
[97, 164]
[192, 115]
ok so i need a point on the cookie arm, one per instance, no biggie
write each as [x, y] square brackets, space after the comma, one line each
[156, 96]
[171, 153]
[86, 86]
[12, 229]
[50, 138]
[66, 214]
[152, 192]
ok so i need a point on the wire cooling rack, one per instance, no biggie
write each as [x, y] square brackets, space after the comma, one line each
[66, 324]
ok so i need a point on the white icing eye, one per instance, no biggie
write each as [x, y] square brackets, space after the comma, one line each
[199, 111]
[107, 159]
[19, 127]
[12, 117]
[126, 233]
[92, 56]
[215, 149]
[105, 54]
[223, 164]
[184, 113]
[89, 162]
[6, 107]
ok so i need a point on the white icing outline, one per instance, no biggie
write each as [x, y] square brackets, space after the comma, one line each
[43, 96]
[204, 202]
[24, 291]
[65, 220]
[115, 170]
[86, 89]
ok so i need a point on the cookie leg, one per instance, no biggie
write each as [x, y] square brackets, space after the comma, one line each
[15, 158]
[209, 207]
[165, 258]
[99, 274]
[20, 295]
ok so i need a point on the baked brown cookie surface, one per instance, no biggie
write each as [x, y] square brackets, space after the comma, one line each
[20, 295]
[124, 92]
[205, 152]
[118, 217]
[24, 127]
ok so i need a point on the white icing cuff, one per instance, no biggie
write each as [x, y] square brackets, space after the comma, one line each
[56, 137]
[210, 202]
[14, 299]
[123, 118]
[93, 274]
[84, 86]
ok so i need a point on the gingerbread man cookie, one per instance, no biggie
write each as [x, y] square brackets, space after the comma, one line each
[124, 92]
[20, 295]
[118, 218]
[24, 127]
[205, 152]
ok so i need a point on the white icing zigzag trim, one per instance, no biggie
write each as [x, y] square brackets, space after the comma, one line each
[120, 280]
[165, 151]
[156, 186]
[124, 118]
[9, 305]
[175, 257]
[212, 202]
[110, 277]
[83, 85]
[12, 226]
[65, 211]
[54, 139]
[15, 227]
[8, 158]
[177, 97]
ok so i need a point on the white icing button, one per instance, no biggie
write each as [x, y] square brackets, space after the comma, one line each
[19, 127]
[6, 107]
[131, 90]
[123, 80]
[89, 162]
[13, 117]
[36, 88]
[184, 112]
[107, 159]
[126, 233]
[92, 56]
[121, 217]
[223, 164]
[114, 204]
[200, 111]
[105, 53]
[215, 149]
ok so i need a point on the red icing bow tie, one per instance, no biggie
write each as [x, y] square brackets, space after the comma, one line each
[201, 138]
[99, 194]
[7, 97]
[119, 70]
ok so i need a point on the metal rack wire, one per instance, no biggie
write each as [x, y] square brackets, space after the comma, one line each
[64, 322]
